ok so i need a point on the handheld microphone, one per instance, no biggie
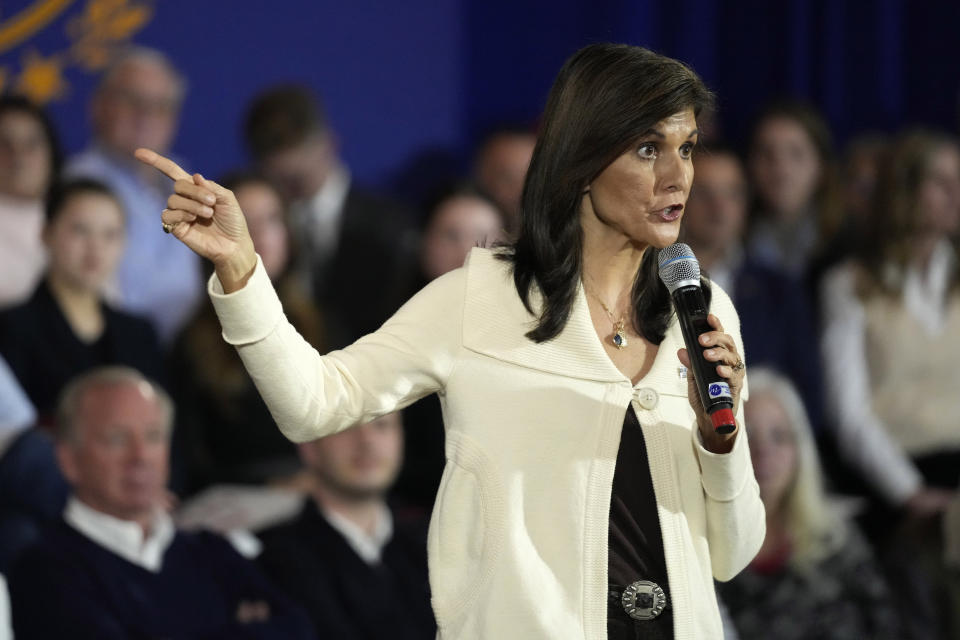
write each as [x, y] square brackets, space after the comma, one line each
[680, 272]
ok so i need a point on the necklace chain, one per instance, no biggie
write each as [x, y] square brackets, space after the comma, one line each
[619, 336]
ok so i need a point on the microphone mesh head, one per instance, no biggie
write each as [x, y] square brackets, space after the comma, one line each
[678, 266]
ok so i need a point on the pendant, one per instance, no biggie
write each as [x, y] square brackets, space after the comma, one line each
[619, 337]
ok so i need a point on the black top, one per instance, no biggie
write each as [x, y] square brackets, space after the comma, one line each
[635, 542]
[67, 586]
[347, 598]
[45, 354]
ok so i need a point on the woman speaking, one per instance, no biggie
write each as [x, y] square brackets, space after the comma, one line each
[586, 493]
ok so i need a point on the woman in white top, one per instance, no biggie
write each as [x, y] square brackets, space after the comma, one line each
[536, 389]
[891, 336]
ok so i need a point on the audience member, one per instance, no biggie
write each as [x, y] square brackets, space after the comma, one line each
[356, 248]
[32, 490]
[500, 168]
[890, 343]
[861, 166]
[815, 576]
[775, 315]
[797, 208]
[226, 432]
[891, 327]
[137, 105]
[115, 566]
[459, 218]
[29, 163]
[357, 568]
[66, 327]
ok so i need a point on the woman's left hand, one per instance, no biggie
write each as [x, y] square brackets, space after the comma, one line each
[720, 348]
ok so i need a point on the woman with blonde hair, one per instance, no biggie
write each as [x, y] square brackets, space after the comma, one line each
[815, 576]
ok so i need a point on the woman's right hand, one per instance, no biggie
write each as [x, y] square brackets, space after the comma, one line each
[207, 218]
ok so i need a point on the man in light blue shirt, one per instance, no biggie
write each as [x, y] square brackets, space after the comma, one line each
[137, 105]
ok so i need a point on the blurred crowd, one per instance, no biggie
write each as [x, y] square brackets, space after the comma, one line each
[146, 492]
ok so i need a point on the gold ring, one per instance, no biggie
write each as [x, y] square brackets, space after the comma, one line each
[739, 366]
[167, 228]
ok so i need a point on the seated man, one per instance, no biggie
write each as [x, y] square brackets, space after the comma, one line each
[115, 567]
[358, 569]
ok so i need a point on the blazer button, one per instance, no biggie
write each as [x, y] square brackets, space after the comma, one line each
[648, 398]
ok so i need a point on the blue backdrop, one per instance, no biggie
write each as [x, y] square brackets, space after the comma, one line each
[400, 78]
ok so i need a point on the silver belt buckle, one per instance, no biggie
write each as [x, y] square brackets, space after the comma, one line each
[643, 600]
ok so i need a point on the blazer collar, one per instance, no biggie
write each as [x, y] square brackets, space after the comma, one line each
[495, 322]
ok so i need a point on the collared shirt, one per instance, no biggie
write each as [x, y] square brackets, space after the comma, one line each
[158, 275]
[925, 290]
[320, 217]
[16, 411]
[369, 546]
[847, 371]
[789, 248]
[723, 272]
[123, 537]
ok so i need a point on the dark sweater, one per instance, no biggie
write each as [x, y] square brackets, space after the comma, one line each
[347, 598]
[45, 354]
[68, 586]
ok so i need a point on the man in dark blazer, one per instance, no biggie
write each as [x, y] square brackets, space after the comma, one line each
[356, 248]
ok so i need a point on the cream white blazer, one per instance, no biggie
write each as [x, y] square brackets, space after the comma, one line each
[518, 538]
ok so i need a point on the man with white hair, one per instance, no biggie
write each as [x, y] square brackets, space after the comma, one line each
[137, 104]
[116, 567]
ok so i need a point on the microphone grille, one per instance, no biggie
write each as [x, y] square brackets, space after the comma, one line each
[678, 266]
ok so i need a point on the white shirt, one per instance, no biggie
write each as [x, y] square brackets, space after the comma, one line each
[320, 217]
[369, 546]
[16, 410]
[724, 271]
[123, 537]
[861, 434]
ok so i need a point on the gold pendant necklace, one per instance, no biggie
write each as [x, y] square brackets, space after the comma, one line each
[619, 338]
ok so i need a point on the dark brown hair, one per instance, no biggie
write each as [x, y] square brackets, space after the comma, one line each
[827, 200]
[61, 193]
[20, 104]
[281, 118]
[604, 98]
[893, 228]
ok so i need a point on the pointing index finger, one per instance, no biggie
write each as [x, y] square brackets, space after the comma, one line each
[165, 165]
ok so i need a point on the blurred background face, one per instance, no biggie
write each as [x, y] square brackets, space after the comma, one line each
[938, 198]
[502, 168]
[138, 107]
[361, 462]
[860, 178]
[118, 460]
[459, 224]
[772, 447]
[300, 171]
[717, 206]
[785, 167]
[25, 156]
[267, 224]
[85, 241]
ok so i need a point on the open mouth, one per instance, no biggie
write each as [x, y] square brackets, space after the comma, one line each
[670, 213]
